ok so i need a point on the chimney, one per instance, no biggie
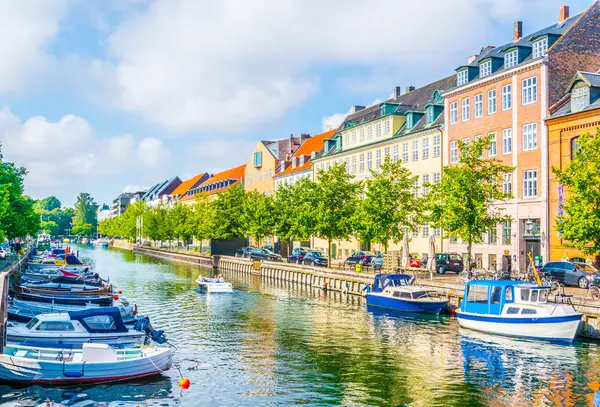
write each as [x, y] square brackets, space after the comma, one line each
[281, 165]
[518, 31]
[409, 89]
[397, 92]
[304, 137]
[564, 13]
[471, 59]
[356, 108]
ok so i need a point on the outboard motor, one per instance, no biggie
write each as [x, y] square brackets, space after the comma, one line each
[143, 324]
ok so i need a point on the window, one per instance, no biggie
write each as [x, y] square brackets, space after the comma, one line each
[378, 159]
[510, 59]
[425, 231]
[378, 130]
[369, 132]
[396, 156]
[409, 121]
[534, 295]
[492, 236]
[530, 184]
[525, 294]
[580, 99]
[258, 159]
[353, 164]
[528, 311]
[492, 101]
[466, 109]
[56, 326]
[540, 47]
[506, 97]
[506, 232]
[415, 233]
[529, 136]
[437, 176]
[485, 69]
[386, 152]
[453, 152]
[478, 294]
[361, 165]
[507, 183]
[405, 152]
[508, 294]
[574, 147]
[437, 232]
[430, 114]
[478, 102]
[424, 183]
[425, 148]
[506, 141]
[493, 146]
[361, 136]
[453, 113]
[462, 77]
[529, 90]
[415, 150]
[347, 139]
[369, 160]
[386, 127]
[416, 188]
[437, 145]
[477, 138]
[513, 310]
[496, 295]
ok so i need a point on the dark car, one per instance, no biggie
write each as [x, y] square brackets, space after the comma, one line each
[297, 255]
[448, 262]
[262, 254]
[315, 258]
[361, 257]
[244, 251]
[579, 274]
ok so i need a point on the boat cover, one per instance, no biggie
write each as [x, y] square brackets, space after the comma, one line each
[382, 280]
[71, 259]
[100, 320]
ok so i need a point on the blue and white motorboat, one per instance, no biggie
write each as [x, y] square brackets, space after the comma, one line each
[214, 285]
[394, 291]
[515, 308]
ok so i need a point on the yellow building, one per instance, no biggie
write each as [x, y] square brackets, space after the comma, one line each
[407, 127]
[575, 114]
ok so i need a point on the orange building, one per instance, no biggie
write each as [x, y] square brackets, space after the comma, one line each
[188, 184]
[505, 92]
[219, 182]
[576, 114]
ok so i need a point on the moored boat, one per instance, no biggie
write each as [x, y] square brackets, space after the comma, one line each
[70, 263]
[394, 291]
[68, 299]
[214, 285]
[514, 308]
[94, 363]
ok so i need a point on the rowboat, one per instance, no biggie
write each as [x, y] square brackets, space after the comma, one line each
[95, 325]
[70, 263]
[94, 363]
[213, 285]
[65, 290]
[67, 299]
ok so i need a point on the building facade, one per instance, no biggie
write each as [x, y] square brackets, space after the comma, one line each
[188, 184]
[406, 128]
[161, 193]
[219, 182]
[504, 92]
[575, 114]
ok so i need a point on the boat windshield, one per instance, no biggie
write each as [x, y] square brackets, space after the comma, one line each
[399, 283]
[32, 323]
[419, 294]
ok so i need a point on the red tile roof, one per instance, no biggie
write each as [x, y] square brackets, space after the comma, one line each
[236, 173]
[312, 144]
[187, 185]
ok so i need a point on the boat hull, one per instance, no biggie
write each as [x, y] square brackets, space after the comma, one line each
[426, 307]
[68, 300]
[131, 338]
[19, 369]
[563, 328]
[214, 288]
[66, 267]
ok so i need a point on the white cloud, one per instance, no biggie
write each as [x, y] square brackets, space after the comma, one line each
[66, 156]
[335, 120]
[216, 155]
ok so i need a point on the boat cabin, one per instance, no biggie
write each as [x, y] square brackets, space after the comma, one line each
[101, 320]
[495, 296]
[382, 281]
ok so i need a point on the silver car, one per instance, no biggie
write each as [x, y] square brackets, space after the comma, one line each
[578, 274]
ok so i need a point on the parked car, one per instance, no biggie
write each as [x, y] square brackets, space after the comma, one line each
[448, 262]
[3, 254]
[297, 255]
[577, 260]
[578, 274]
[377, 262]
[362, 257]
[262, 254]
[414, 260]
[315, 258]
[244, 251]
[271, 248]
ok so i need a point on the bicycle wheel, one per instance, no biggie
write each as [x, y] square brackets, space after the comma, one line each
[594, 292]
[555, 285]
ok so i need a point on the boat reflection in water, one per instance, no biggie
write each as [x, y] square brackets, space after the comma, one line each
[519, 371]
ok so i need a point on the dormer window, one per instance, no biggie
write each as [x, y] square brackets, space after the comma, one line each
[485, 69]
[409, 121]
[430, 114]
[580, 99]
[462, 77]
[540, 47]
[510, 59]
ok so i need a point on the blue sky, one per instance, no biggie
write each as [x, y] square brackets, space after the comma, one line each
[102, 96]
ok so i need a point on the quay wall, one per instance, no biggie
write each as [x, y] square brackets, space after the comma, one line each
[351, 282]
[4, 286]
[122, 244]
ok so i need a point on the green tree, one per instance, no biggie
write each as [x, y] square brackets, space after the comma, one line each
[229, 210]
[181, 218]
[388, 205]
[48, 204]
[204, 218]
[85, 210]
[334, 200]
[293, 208]
[86, 229]
[580, 223]
[258, 215]
[465, 202]
[49, 227]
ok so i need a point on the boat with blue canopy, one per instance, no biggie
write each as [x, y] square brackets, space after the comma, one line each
[516, 308]
[395, 291]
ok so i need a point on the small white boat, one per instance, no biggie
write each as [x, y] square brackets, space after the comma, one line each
[214, 285]
[514, 308]
[94, 363]
[100, 325]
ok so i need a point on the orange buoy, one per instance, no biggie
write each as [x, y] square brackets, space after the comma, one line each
[184, 383]
[115, 297]
[120, 291]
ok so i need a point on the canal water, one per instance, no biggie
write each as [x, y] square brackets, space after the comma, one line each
[277, 344]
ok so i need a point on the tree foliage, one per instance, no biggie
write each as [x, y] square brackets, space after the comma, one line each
[85, 210]
[258, 216]
[229, 212]
[465, 203]
[580, 223]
